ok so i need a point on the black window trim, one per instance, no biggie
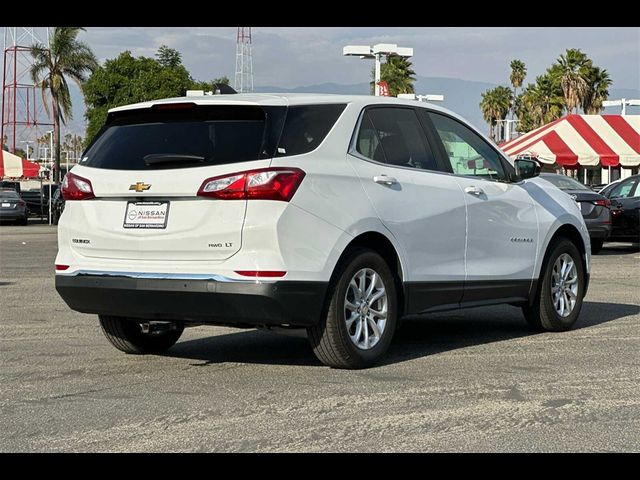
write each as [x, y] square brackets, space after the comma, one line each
[506, 165]
[353, 151]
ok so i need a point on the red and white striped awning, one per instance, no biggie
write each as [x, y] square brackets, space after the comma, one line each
[587, 140]
[13, 166]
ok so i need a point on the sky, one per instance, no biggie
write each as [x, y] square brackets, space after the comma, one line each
[289, 57]
[292, 56]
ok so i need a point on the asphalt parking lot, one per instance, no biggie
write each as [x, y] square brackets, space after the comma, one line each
[476, 380]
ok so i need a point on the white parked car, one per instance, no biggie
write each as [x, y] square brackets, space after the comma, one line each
[338, 214]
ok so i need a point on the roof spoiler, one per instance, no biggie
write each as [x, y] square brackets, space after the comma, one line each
[218, 89]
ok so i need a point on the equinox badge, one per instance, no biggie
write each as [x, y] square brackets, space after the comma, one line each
[140, 186]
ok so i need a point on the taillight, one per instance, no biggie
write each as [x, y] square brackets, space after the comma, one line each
[75, 187]
[22, 203]
[278, 183]
[605, 202]
[61, 267]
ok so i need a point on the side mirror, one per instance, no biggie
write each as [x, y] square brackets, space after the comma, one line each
[526, 168]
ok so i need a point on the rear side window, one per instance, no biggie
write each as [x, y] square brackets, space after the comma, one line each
[306, 127]
[400, 138]
[180, 137]
[367, 142]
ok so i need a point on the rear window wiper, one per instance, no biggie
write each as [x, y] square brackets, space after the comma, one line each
[160, 158]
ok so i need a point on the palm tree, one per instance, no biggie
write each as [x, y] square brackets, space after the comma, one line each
[571, 70]
[542, 101]
[487, 105]
[495, 105]
[518, 74]
[399, 75]
[598, 83]
[66, 58]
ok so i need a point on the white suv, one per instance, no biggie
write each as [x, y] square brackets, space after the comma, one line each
[338, 214]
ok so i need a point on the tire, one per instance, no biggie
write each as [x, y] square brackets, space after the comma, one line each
[596, 246]
[126, 335]
[331, 339]
[542, 314]
[23, 221]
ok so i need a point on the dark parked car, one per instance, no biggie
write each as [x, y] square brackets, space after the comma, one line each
[10, 185]
[12, 207]
[625, 209]
[38, 199]
[595, 207]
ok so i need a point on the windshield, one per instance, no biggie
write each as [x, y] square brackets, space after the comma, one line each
[565, 183]
[9, 195]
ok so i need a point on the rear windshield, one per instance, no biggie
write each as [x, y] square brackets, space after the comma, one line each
[186, 135]
[565, 183]
[9, 195]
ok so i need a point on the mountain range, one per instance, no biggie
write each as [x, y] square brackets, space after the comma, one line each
[461, 96]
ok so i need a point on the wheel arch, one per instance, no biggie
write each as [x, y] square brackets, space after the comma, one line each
[571, 232]
[382, 245]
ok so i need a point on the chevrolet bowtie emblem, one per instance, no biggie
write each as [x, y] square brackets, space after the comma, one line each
[140, 186]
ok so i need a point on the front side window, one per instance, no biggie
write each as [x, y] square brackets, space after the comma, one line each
[623, 189]
[469, 154]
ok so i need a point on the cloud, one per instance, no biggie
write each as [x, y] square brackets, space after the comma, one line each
[295, 56]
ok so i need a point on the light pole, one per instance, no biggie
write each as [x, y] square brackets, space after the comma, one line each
[509, 127]
[622, 103]
[67, 152]
[50, 132]
[27, 142]
[376, 52]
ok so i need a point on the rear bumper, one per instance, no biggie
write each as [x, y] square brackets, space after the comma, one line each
[202, 301]
[12, 214]
[599, 231]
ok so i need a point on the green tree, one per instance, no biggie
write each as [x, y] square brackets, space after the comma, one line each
[571, 68]
[598, 83]
[168, 57]
[517, 76]
[66, 58]
[495, 106]
[128, 79]
[209, 86]
[539, 103]
[398, 73]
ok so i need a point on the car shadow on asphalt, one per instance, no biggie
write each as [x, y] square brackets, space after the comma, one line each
[418, 336]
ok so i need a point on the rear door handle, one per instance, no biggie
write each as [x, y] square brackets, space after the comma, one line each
[385, 180]
[477, 191]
